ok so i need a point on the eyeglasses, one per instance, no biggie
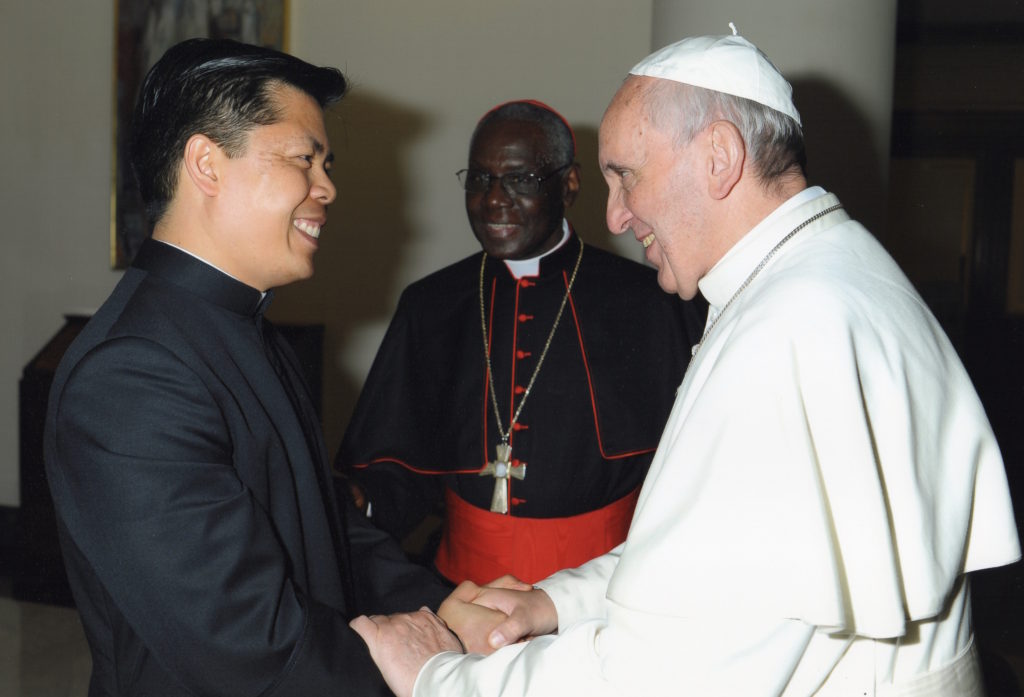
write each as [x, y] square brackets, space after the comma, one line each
[514, 183]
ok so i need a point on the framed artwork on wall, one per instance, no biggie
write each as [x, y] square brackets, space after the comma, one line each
[143, 30]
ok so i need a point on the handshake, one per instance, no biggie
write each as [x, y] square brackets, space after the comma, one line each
[474, 619]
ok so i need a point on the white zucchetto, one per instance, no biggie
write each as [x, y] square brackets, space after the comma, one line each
[728, 64]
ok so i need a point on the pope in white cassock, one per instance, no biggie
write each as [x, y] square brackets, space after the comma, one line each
[827, 477]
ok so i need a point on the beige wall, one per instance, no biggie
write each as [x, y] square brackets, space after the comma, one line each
[55, 107]
[839, 58]
[422, 73]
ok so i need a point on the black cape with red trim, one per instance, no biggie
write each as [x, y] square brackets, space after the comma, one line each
[593, 418]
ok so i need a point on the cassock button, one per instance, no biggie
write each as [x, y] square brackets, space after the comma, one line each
[525, 318]
[519, 427]
[520, 354]
[520, 389]
[526, 283]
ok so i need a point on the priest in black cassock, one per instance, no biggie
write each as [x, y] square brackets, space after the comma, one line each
[205, 548]
[523, 389]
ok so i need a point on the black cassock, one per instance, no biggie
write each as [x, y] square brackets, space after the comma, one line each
[425, 423]
[205, 548]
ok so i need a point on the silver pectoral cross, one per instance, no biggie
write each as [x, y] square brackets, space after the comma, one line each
[501, 469]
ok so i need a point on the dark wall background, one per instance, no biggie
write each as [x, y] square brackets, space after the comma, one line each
[959, 94]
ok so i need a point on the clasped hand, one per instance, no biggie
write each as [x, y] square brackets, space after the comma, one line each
[477, 619]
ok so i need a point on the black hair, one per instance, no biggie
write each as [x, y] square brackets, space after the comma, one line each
[556, 131]
[221, 89]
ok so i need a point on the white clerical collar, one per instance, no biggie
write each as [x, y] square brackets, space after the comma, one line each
[214, 266]
[531, 267]
[719, 284]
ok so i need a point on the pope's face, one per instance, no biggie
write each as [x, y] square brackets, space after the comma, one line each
[275, 196]
[517, 226]
[654, 190]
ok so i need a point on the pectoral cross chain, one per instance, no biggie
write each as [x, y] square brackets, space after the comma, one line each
[501, 468]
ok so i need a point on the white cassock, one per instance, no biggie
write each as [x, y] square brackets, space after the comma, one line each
[825, 481]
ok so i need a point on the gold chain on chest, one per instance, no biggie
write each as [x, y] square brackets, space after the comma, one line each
[540, 361]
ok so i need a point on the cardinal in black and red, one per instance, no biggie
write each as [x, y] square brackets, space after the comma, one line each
[525, 387]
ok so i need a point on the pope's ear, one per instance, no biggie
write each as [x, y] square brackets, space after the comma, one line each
[201, 164]
[728, 152]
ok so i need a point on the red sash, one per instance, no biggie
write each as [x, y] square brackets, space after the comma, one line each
[481, 546]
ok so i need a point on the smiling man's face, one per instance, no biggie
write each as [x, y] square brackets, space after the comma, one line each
[518, 226]
[276, 197]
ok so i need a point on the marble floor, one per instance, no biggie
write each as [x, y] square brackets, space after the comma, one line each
[43, 652]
